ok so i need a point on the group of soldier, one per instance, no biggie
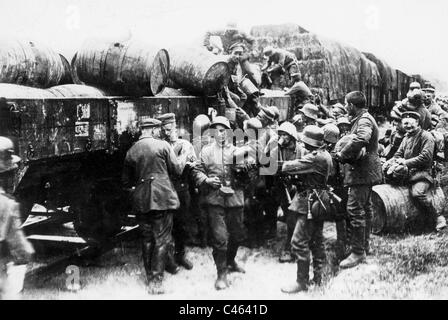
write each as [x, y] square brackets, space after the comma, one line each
[320, 165]
[243, 165]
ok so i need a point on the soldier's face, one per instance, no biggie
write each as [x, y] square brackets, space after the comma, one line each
[220, 134]
[283, 139]
[410, 124]
[168, 131]
[350, 108]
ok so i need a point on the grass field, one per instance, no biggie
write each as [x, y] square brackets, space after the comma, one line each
[405, 267]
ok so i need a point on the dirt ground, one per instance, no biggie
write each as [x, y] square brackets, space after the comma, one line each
[407, 267]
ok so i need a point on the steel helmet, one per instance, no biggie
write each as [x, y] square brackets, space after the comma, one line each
[343, 120]
[267, 51]
[275, 111]
[331, 133]
[252, 123]
[313, 135]
[222, 121]
[8, 161]
[289, 128]
[310, 111]
[201, 123]
[414, 85]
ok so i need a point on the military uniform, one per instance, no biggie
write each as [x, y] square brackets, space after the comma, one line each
[13, 243]
[313, 170]
[148, 166]
[225, 212]
[360, 176]
[228, 38]
[286, 60]
[184, 152]
[418, 151]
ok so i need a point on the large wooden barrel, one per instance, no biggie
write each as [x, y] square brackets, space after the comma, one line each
[14, 91]
[76, 91]
[198, 70]
[130, 69]
[29, 64]
[172, 92]
[252, 71]
[395, 211]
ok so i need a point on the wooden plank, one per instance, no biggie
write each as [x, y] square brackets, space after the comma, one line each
[55, 238]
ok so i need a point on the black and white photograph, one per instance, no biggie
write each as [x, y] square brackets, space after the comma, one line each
[223, 151]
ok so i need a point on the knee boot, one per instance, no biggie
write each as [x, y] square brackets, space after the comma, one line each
[302, 281]
[147, 251]
[220, 261]
[341, 240]
[232, 265]
[367, 235]
[358, 254]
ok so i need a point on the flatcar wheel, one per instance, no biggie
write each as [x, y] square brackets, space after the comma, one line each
[99, 217]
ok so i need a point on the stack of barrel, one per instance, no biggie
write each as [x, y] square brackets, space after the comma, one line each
[106, 68]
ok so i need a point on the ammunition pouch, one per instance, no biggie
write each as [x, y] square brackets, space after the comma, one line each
[325, 206]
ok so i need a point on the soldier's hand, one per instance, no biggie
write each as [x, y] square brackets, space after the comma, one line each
[214, 182]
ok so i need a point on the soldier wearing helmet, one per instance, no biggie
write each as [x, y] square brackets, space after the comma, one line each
[283, 146]
[13, 242]
[281, 61]
[305, 116]
[312, 170]
[224, 199]
[289, 149]
[360, 175]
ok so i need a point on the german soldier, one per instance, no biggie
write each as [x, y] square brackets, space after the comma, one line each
[360, 175]
[415, 155]
[335, 180]
[313, 170]
[185, 154]
[281, 60]
[201, 138]
[229, 36]
[288, 148]
[146, 172]
[307, 115]
[224, 198]
[12, 239]
[255, 186]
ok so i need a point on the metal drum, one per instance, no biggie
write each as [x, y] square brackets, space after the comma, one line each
[394, 210]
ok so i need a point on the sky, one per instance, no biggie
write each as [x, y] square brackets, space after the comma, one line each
[410, 35]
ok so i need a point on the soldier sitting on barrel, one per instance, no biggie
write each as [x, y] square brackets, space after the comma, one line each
[13, 243]
[415, 158]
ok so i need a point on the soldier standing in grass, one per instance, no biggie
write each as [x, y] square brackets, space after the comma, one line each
[224, 199]
[185, 154]
[13, 243]
[312, 170]
[146, 173]
[360, 175]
